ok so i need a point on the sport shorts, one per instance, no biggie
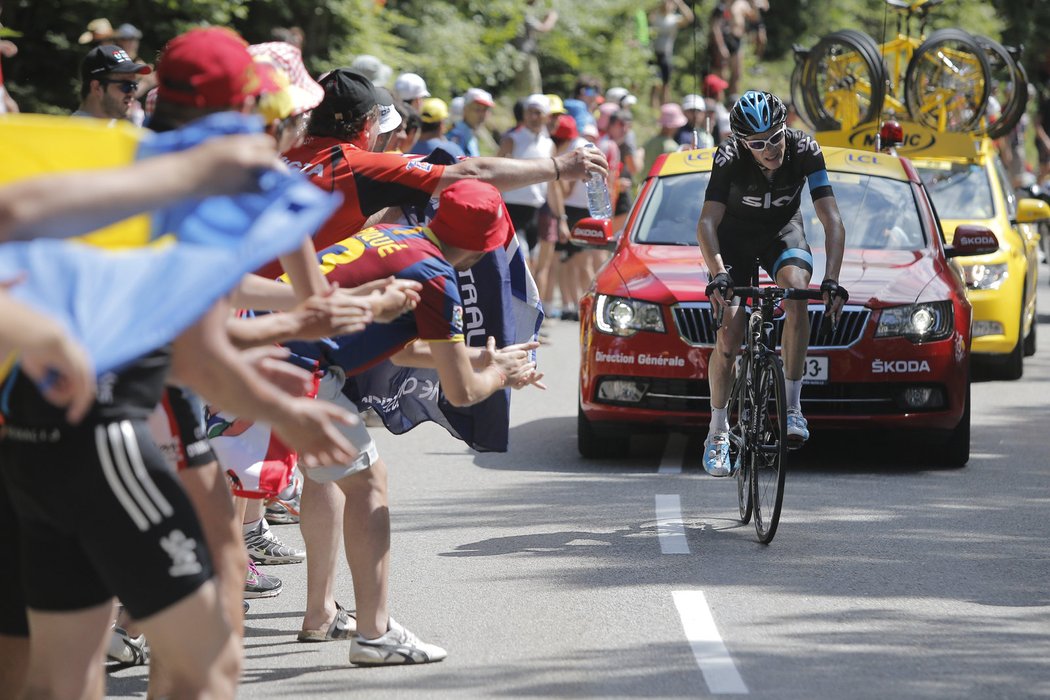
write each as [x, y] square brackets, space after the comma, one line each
[331, 389]
[740, 247]
[177, 426]
[99, 499]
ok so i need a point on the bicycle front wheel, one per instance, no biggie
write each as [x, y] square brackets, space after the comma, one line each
[739, 409]
[769, 456]
[948, 80]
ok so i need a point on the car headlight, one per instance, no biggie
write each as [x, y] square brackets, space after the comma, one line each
[985, 276]
[620, 316]
[919, 323]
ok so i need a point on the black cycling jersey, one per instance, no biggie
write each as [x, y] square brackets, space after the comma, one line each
[128, 394]
[753, 203]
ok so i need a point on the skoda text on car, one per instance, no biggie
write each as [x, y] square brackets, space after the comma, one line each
[899, 357]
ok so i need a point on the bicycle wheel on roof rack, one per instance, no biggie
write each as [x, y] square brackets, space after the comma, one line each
[796, 86]
[843, 81]
[947, 82]
[1009, 86]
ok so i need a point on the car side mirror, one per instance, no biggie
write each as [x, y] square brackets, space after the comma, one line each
[1031, 210]
[970, 239]
[593, 233]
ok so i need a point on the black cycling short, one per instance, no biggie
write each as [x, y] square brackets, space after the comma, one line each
[13, 621]
[185, 412]
[663, 64]
[740, 247]
[568, 248]
[99, 500]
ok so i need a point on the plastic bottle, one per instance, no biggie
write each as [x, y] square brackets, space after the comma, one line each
[598, 202]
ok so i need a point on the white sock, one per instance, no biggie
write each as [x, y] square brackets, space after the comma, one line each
[719, 420]
[794, 394]
[248, 527]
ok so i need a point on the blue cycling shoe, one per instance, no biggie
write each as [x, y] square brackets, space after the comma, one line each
[797, 429]
[716, 455]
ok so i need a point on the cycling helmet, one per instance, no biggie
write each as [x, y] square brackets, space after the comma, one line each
[756, 112]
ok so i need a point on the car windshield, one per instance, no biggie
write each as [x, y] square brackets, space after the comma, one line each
[959, 190]
[878, 213]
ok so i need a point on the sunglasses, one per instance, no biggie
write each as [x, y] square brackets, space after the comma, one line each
[128, 87]
[762, 144]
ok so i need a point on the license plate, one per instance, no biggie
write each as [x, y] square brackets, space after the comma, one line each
[815, 371]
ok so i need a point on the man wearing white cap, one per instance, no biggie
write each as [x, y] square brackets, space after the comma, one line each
[410, 88]
[700, 119]
[621, 96]
[477, 104]
[373, 69]
[528, 140]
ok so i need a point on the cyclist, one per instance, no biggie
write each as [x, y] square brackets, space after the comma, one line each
[751, 211]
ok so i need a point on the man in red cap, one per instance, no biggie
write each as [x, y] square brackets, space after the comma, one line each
[471, 220]
[337, 156]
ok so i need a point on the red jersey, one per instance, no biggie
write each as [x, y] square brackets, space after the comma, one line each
[369, 182]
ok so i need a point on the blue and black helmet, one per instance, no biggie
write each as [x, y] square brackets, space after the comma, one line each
[756, 112]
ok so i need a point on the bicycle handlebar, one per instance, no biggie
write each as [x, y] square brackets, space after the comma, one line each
[774, 293]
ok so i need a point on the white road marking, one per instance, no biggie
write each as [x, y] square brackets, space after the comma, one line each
[710, 652]
[669, 525]
[671, 460]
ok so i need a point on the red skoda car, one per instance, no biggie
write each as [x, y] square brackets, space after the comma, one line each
[899, 358]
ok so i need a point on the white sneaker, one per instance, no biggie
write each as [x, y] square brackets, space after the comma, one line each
[397, 646]
[264, 547]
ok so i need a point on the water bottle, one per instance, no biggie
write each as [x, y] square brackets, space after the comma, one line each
[598, 201]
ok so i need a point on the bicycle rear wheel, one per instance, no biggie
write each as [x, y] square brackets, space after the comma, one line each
[739, 408]
[843, 81]
[1010, 83]
[948, 80]
[769, 456]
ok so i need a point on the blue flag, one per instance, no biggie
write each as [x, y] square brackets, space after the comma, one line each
[121, 304]
[500, 300]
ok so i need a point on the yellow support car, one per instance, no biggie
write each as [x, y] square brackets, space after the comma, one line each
[969, 185]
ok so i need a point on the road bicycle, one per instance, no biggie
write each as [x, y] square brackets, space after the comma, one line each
[757, 411]
[942, 80]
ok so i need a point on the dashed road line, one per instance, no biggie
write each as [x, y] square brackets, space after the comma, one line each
[710, 652]
[669, 526]
[671, 460]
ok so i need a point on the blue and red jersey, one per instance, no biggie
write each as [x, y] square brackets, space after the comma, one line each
[405, 252]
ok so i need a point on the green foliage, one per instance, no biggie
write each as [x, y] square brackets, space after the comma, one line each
[460, 43]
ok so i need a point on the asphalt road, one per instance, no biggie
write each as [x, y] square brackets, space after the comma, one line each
[545, 575]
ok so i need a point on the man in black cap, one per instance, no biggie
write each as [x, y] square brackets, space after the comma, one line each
[109, 82]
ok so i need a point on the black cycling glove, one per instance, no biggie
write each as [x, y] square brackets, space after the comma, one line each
[722, 282]
[832, 287]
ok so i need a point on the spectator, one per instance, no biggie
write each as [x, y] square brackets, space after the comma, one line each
[434, 117]
[411, 89]
[666, 21]
[672, 120]
[108, 83]
[571, 267]
[588, 89]
[756, 29]
[98, 31]
[289, 35]
[694, 107]
[715, 89]
[373, 69]
[7, 50]
[529, 80]
[128, 37]
[728, 25]
[411, 125]
[477, 104]
[621, 97]
[389, 119]
[529, 140]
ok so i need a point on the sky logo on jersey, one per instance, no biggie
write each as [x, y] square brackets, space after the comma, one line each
[766, 201]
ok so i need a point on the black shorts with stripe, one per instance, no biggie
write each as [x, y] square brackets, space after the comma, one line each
[98, 501]
[740, 247]
[185, 413]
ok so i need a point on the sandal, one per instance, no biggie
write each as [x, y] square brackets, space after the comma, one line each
[343, 627]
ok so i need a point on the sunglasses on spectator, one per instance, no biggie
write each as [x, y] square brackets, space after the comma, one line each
[128, 87]
[762, 144]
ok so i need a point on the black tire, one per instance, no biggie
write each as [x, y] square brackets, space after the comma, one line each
[1011, 367]
[954, 450]
[1030, 340]
[797, 98]
[1012, 85]
[843, 63]
[769, 457]
[931, 72]
[594, 446]
[737, 409]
